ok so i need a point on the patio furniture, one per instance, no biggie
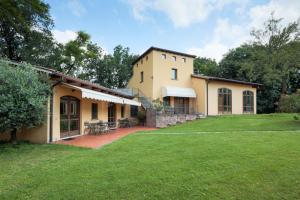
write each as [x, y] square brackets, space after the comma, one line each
[124, 123]
[97, 127]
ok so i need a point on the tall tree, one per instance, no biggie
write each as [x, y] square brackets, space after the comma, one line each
[282, 47]
[114, 70]
[21, 23]
[206, 66]
[271, 59]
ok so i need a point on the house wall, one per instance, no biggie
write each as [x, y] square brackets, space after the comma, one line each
[237, 96]
[157, 73]
[199, 85]
[146, 87]
[38, 134]
[162, 72]
[85, 109]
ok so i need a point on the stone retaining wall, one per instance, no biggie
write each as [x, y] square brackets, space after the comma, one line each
[161, 120]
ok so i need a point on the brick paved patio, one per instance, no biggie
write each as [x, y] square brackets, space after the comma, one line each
[97, 141]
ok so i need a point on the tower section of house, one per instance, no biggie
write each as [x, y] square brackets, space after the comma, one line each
[165, 75]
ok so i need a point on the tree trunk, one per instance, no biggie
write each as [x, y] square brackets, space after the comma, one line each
[13, 136]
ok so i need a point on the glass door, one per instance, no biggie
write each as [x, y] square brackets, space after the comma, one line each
[69, 116]
[112, 115]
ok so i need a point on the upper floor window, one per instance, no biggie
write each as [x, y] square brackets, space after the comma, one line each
[142, 61]
[174, 74]
[137, 64]
[94, 111]
[248, 102]
[183, 60]
[142, 77]
[224, 101]
[174, 58]
[163, 56]
[146, 58]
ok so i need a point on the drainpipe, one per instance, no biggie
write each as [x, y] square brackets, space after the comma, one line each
[207, 97]
[51, 110]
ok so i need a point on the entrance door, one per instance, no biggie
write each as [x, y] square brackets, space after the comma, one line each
[181, 105]
[112, 115]
[69, 116]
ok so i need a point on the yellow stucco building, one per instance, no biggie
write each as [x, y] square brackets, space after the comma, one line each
[168, 75]
[73, 104]
[157, 74]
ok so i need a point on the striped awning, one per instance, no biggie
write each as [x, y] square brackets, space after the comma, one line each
[91, 94]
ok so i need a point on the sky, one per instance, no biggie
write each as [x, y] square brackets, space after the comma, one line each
[206, 28]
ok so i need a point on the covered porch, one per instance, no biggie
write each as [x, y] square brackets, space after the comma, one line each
[81, 111]
[179, 100]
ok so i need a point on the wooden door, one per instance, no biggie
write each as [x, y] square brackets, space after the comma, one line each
[69, 116]
[112, 115]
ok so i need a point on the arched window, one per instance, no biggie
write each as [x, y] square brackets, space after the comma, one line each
[248, 102]
[224, 101]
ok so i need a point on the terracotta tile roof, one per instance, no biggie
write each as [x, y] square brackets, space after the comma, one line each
[211, 78]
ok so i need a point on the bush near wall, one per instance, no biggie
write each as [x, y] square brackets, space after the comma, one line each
[290, 103]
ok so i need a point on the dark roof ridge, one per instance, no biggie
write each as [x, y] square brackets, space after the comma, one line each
[225, 80]
[163, 50]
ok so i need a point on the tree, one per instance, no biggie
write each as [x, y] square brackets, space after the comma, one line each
[21, 23]
[272, 59]
[114, 70]
[290, 103]
[282, 48]
[75, 54]
[23, 98]
[206, 66]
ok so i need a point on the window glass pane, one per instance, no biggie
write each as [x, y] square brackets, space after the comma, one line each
[63, 108]
[174, 74]
[94, 111]
[142, 76]
[64, 125]
[73, 108]
[224, 100]
[248, 101]
[122, 111]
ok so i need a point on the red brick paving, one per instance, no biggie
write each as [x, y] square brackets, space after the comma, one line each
[96, 141]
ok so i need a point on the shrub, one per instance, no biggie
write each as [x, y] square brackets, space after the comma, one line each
[141, 115]
[23, 98]
[290, 103]
[158, 105]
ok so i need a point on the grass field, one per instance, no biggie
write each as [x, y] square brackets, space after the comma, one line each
[230, 157]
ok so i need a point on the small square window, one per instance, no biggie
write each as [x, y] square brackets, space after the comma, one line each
[137, 65]
[174, 74]
[183, 60]
[142, 77]
[174, 58]
[146, 58]
[163, 56]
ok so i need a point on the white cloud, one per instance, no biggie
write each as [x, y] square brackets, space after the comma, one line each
[64, 36]
[76, 7]
[182, 13]
[289, 10]
[225, 36]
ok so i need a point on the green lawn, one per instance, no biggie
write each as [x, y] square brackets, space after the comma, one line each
[231, 157]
